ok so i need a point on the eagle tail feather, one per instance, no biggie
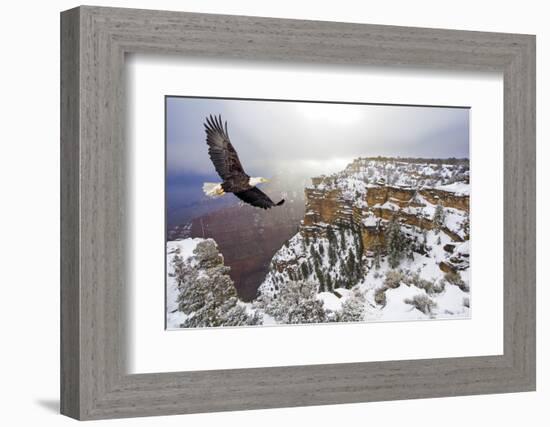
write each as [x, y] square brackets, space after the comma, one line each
[213, 189]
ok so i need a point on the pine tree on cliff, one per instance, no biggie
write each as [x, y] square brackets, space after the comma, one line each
[328, 281]
[342, 236]
[331, 236]
[332, 255]
[352, 267]
[396, 243]
[207, 294]
[358, 241]
[297, 303]
[305, 269]
[439, 218]
[179, 267]
[465, 227]
[320, 278]
[332, 246]
[315, 256]
[377, 254]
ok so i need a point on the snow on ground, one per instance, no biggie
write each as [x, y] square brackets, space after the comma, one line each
[460, 188]
[397, 309]
[331, 301]
[450, 304]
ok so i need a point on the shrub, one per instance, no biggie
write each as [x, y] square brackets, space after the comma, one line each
[393, 279]
[437, 287]
[353, 309]
[466, 302]
[380, 296]
[430, 286]
[454, 278]
[422, 303]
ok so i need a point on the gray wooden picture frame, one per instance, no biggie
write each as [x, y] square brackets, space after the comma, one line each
[94, 41]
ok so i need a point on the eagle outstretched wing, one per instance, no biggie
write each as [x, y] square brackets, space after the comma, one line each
[256, 197]
[221, 151]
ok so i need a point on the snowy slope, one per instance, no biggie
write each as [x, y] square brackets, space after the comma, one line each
[435, 252]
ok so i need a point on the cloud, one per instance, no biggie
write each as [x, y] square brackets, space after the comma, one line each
[273, 136]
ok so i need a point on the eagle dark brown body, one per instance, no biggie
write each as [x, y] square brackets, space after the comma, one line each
[229, 168]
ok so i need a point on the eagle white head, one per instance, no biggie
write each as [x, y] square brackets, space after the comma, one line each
[255, 180]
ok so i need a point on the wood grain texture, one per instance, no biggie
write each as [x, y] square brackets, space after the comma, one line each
[70, 292]
[94, 382]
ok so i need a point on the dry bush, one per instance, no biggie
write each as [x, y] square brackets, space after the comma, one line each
[430, 286]
[380, 296]
[455, 279]
[393, 279]
[422, 303]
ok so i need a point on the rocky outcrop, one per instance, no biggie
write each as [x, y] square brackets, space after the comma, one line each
[367, 203]
[377, 217]
[447, 199]
[331, 208]
[328, 207]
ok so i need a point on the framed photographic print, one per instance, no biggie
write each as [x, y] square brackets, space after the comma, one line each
[357, 201]
[351, 236]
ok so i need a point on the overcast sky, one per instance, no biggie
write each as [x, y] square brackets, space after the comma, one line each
[308, 139]
[321, 138]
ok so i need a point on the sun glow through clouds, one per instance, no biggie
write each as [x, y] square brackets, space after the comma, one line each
[340, 114]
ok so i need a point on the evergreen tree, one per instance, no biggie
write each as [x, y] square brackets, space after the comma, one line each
[332, 255]
[330, 235]
[342, 237]
[321, 249]
[377, 255]
[313, 253]
[359, 243]
[439, 218]
[465, 227]
[396, 243]
[320, 278]
[207, 294]
[328, 282]
[305, 270]
[179, 266]
[297, 302]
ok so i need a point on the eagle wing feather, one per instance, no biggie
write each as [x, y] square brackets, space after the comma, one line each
[256, 197]
[222, 153]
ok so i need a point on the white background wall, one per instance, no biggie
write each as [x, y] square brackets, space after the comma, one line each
[29, 224]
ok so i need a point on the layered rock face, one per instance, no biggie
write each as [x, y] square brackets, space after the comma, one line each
[361, 196]
[395, 231]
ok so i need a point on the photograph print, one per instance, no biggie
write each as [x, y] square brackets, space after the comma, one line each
[298, 212]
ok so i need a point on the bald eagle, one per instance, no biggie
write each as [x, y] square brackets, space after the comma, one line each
[229, 168]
